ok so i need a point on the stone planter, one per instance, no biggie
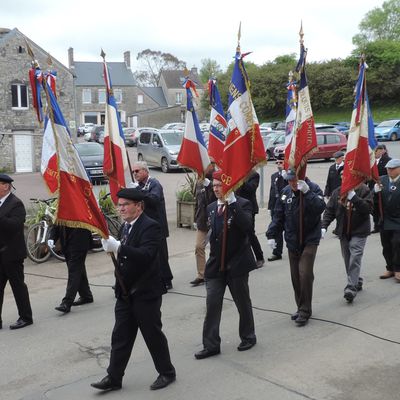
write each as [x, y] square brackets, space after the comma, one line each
[185, 214]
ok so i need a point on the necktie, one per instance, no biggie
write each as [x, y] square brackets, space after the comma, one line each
[220, 209]
[125, 233]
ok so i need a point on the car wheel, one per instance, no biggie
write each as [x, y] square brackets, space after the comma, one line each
[164, 165]
[140, 157]
[393, 137]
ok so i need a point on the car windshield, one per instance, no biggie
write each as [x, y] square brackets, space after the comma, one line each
[386, 124]
[172, 138]
[89, 149]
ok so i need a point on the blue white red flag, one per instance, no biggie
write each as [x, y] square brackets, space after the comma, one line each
[193, 153]
[291, 108]
[76, 205]
[216, 139]
[304, 140]
[35, 79]
[48, 166]
[115, 157]
[359, 163]
[244, 147]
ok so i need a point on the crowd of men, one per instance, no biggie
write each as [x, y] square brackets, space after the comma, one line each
[300, 216]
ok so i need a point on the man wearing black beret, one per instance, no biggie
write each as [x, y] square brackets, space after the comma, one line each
[13, 252]
[140, 306]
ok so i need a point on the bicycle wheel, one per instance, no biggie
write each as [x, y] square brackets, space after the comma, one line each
[36, 244]
[56, 251]
[114, 225]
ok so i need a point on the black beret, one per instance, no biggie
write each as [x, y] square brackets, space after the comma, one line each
[338, 154]
[6, 178]
[131, 194]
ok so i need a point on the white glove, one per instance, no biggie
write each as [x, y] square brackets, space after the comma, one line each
[377, 188]
[206, 182]
[133, 185]
[323, 231]
[302, 185]
[351, 194]
[272, 243]
[231, 198]
[110, 245]
[284, 174]
[50, 243]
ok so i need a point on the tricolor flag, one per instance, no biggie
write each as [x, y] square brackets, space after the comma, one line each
[193, 153]
[77, 205]
[304, 140]
[359, 163]
[35, 79]
[244, 148]
[48, 166]
[115, 157]
[291, 108]
[216, 139]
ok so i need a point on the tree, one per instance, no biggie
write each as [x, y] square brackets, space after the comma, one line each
[380, 24]
[153, 64]
[209, 69]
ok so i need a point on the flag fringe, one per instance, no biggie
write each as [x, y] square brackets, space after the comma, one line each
[79, 224]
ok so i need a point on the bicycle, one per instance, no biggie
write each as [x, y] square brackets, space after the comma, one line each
[39, 233]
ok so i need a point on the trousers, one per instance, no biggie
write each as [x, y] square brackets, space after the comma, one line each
[391, 249]
[200, 253]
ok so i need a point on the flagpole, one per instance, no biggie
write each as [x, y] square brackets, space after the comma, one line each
[129, 165]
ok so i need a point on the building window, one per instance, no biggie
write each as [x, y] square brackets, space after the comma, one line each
[118, 95]
[178, 98]
[19, 96]
[140, 99]
[86, 96]
[102, 96]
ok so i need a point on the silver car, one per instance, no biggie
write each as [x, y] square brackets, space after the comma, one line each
[160, 149]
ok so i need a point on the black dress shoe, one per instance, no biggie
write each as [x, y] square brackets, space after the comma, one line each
[106, 384]
[206, 353]
[1, 325]
[246, 345]
[197, 282]
[64, 308]
[301, 321]
[274, 258]
[82, 300]
[162, 381]
[294, 316]
[349, 296]
[21, 323]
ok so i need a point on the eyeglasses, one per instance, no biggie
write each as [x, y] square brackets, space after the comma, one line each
[120, 205]
[135, 171]
[279, 163]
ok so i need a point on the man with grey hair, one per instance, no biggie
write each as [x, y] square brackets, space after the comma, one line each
[389, 188]
[155, 209]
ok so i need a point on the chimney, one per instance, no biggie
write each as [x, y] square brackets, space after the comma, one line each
[127, 59]
[71, 58]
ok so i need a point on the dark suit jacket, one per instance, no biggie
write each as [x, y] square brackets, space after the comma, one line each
[72, 239]
[334, 179]
[277, 185]
[239, 258]
[382, 164]
[249, 189]
[12, 218]
[204, 197]
[155, 204]
[139, 262]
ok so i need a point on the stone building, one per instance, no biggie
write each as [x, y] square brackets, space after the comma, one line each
[20, 133]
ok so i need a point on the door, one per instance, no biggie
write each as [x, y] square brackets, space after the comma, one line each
[23, 152]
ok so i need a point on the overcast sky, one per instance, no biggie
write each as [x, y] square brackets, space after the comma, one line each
[191, 31]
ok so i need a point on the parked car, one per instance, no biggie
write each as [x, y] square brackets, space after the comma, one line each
[328, 144]
[85, 128]
[95, 133]
[174, 125]
[160, 149]
[388, 130]
[326, 128]
[92, 156]
[274, 139]
[269, 126]
[132, 134]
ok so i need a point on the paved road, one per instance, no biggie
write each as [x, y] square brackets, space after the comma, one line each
[347, 352]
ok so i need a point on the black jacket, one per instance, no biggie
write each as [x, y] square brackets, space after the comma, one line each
[382, 164]
[155, 203]
[239, 258]
[277, 184]
[287, 216]
[72, 239]
[12, 218]
[361, 207]
[204, 197]
[248, 190]
[139, 262]
[391, 203]
[333, 180]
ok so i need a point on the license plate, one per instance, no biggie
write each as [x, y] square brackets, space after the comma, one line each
[97, 172]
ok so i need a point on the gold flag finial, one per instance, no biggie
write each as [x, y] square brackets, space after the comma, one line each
[49, 60]
[239, 37]
[301, 33]
[290, 74]
[186, 72]
[103, 55]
